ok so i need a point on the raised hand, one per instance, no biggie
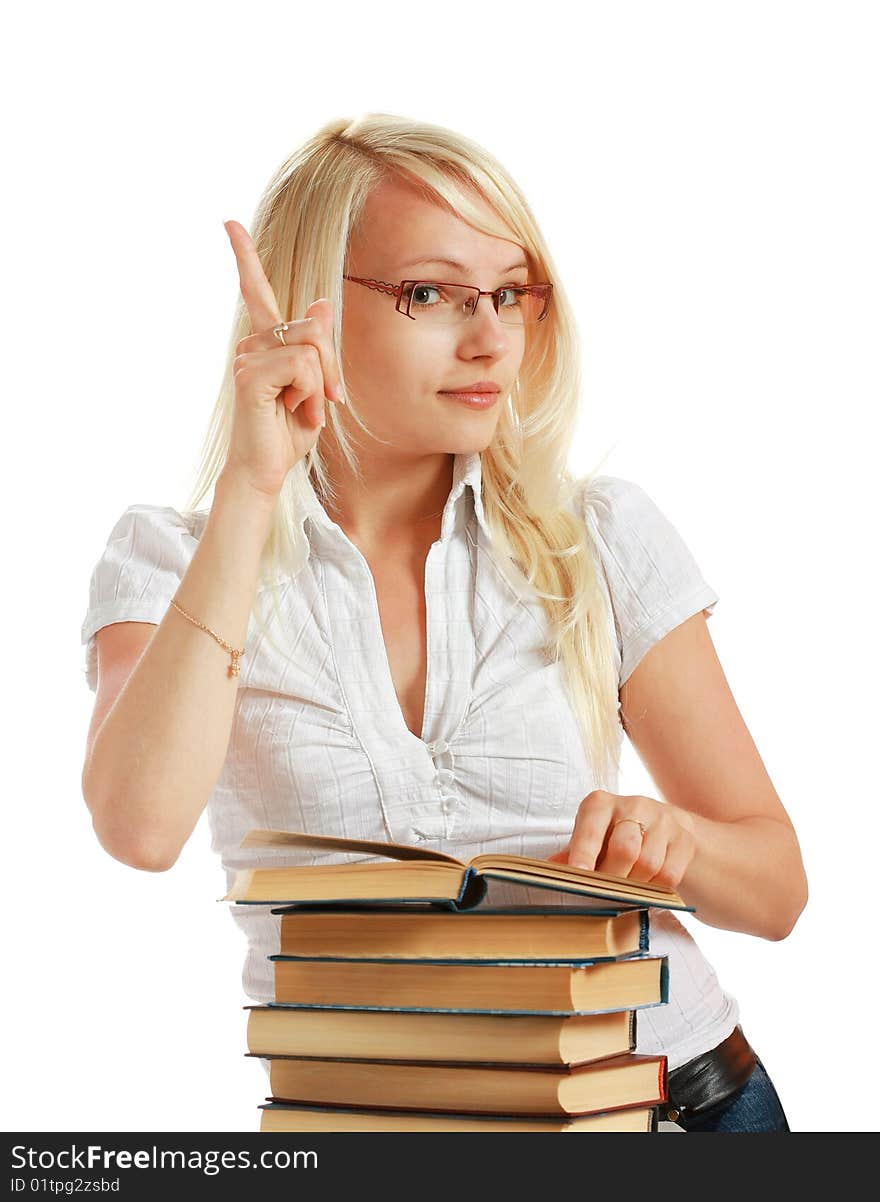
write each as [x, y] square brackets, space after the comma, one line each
[280, 390]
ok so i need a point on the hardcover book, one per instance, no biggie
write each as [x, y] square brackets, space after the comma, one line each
[418, 874]
[621, 1081]
[415, 933]
[400, 1035]
[585, 987]
[291, 1116]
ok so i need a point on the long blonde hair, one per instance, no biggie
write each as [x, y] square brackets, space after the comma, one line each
[301, 230]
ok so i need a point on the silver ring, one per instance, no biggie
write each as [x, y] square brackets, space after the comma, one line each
[279, 332]
[640, 825]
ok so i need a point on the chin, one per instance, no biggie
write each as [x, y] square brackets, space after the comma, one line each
[469, 445]
[474, 432]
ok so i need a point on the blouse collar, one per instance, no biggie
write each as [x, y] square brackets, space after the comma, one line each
[466, 471]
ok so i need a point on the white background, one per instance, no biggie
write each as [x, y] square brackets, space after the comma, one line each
[707, 177]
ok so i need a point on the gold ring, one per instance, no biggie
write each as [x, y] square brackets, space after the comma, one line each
[279, 332]
[640, 825]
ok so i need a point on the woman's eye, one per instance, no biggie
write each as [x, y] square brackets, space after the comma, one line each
[420, 290]
[510, 297]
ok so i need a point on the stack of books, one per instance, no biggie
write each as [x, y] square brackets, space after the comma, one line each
[403, 1002]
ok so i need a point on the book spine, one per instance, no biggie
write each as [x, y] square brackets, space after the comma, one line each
[473, 890]
[644, 930]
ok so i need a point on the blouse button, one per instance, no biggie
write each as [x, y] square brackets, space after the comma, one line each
[448, 806]
[440, 746]
[444, 776]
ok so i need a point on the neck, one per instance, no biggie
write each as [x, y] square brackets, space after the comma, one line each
[398, 500]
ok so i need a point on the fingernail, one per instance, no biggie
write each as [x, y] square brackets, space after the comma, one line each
[323, 418]
[338, 393]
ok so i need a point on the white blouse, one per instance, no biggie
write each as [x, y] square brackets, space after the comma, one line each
[319, 742]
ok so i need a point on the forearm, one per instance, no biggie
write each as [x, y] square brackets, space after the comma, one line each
[745, 876]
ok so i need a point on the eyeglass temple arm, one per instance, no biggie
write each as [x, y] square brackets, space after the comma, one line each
[377, 285]
[383, 286]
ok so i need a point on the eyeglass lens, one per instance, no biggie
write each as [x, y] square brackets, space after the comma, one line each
[449, 304]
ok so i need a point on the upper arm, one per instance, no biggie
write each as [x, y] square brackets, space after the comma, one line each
[147, 554]
[675, 703]
[681, 717]
[119, 647]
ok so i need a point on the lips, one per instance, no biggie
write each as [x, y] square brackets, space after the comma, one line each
[479, 386]
[474, 400]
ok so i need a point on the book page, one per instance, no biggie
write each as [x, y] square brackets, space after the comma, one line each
[395, 851]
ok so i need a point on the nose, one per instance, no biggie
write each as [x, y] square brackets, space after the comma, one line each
[485, 328]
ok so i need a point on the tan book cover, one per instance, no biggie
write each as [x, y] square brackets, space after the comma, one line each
[408, 933]
[286, 1116]
[628, 1080]
[531, 988]
[404, 1035]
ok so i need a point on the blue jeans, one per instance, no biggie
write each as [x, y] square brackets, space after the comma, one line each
[755, 1108]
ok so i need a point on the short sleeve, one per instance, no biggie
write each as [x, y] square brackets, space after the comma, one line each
[653, 580]
[146, 557]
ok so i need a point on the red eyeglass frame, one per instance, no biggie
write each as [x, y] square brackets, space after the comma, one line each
[543, 290]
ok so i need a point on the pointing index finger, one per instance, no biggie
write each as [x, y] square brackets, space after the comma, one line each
[256, 290]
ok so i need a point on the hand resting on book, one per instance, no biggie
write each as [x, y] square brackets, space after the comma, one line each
[608, 837]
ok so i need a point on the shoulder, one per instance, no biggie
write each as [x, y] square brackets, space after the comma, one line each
[154, 534]
[612, 502]
[160, 519]
[146, 540]
[623, 522]
[628, 526]
[654, 580]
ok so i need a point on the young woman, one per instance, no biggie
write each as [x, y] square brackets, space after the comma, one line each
[402, 619]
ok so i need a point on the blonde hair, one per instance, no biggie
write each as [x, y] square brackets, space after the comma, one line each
[301, 230]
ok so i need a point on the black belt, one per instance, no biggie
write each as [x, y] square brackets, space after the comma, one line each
[709, 1080]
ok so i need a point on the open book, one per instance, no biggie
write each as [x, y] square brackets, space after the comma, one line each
[416, 874]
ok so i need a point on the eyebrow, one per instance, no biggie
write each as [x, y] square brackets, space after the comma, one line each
[455, 264]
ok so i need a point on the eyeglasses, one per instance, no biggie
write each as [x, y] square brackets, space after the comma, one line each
[435, 303]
